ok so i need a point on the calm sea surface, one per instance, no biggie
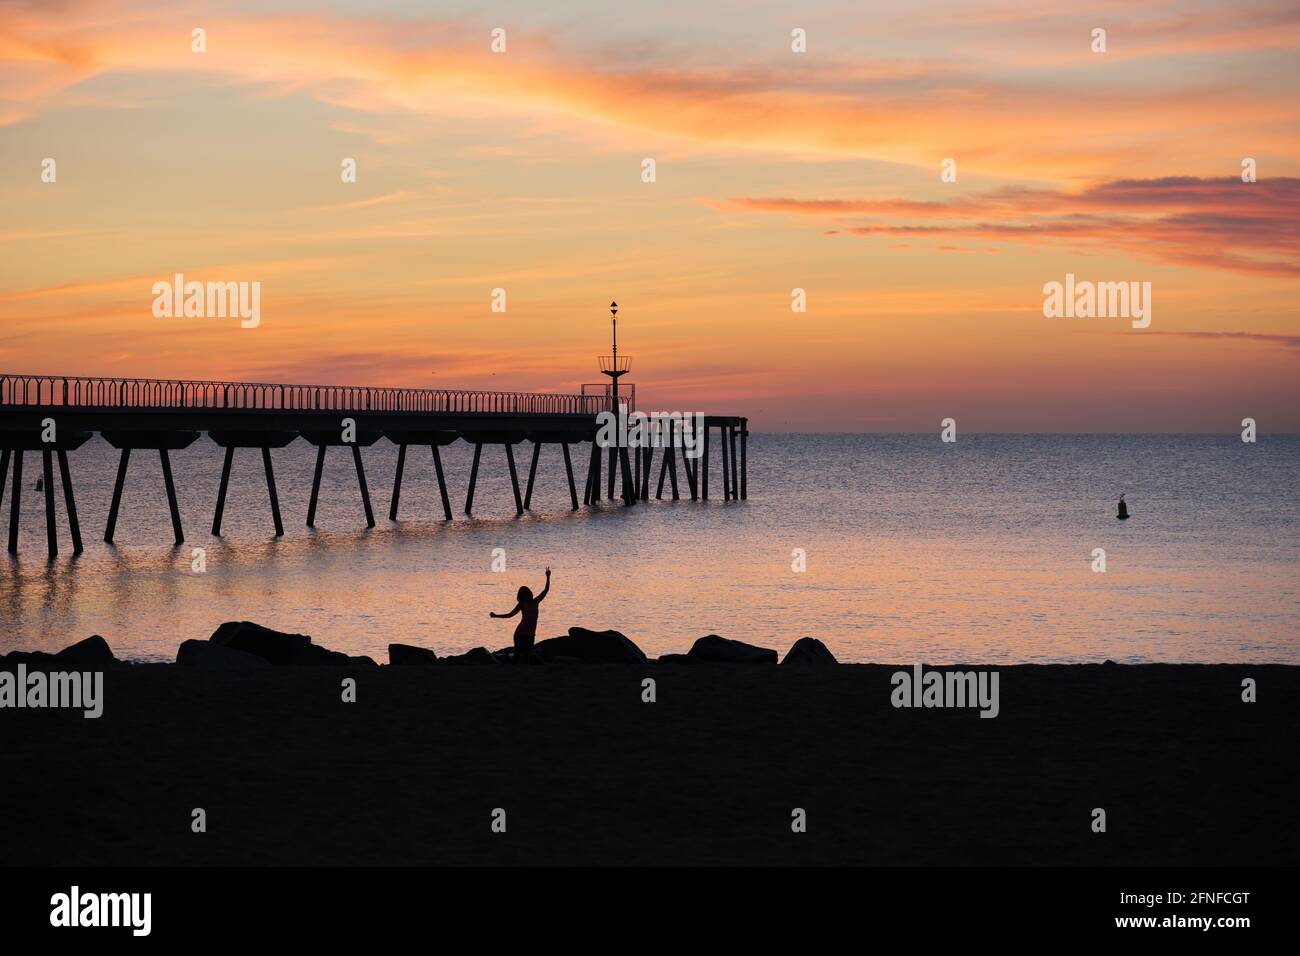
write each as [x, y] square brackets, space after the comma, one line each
[979, 551]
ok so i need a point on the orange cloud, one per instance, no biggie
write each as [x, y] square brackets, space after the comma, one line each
[896, 110]
[1221, 223]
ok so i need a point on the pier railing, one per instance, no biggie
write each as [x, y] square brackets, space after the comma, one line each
[77, 391]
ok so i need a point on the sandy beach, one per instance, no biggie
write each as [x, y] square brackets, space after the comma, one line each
[588, 773]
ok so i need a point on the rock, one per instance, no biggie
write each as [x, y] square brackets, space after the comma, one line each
[809, 650]
[595, 646]
[37, 659]
[91, 654]
[725, 651]
[401, 655]
[272, 646]
[677, 659]
[217, 657]
[280, 649]
[1108, 663]
[478, 656]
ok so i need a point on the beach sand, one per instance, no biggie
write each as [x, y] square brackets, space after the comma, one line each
[709, 774]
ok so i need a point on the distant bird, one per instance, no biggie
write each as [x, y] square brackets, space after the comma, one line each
[1123, 510]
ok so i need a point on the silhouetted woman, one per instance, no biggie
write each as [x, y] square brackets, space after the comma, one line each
[526, 631]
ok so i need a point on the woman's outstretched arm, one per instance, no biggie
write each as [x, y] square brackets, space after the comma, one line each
[546, 589]
[511, 614]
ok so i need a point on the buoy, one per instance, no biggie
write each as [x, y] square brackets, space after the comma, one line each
[1123, 510]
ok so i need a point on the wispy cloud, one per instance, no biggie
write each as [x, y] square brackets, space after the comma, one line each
[901, 109]
[1220, 223]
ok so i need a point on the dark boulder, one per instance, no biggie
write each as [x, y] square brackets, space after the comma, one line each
[217, 657]
[278, 648]
[595, 646]
[272, 646]
[37, 659]
[809, 650]
[722, 650]
[403, 655]
[478, 656]
[89, 654]
[677, 659]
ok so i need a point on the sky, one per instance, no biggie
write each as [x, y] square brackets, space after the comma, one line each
[524, 170]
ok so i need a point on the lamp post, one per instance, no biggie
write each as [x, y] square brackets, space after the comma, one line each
[616, 368]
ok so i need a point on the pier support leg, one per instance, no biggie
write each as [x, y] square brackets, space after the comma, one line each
[704, 472]
[613, 474]
[69, 500]
[4, 472]
[122, 461]
[514, 478]
[532, 474]
[15, 502]
[568, 471]
[171, 495]
[672, 463]
[744, 459]
[735, 468]
[692, 468]
[726, 465]
[646, 464]
[442, 482]
[586, 489]
[397, 482]
[663, 467]
[473, 479]
[365, 489]
[593, 475]
[270, 488]
[221, 492]
[315, 486]
[629, 487]
[51, 530]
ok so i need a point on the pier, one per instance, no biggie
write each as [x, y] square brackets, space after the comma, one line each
[57, 414]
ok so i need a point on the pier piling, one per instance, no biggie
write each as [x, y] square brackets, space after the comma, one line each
[15, 501]
[704, 480]
[442, 482]
[315, 486]
[47, 474]
[532, 475]
[171, 495]
[69, 501]
[397, 481]
[365, 489]
[4, 472]
[473, 479]
[222, 488]
[123, 460]
[270, 489]
[514, 478]
[744, 459]
[568, 471]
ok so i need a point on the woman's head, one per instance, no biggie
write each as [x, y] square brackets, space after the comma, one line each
[525, 594]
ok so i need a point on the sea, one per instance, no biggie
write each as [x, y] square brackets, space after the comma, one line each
[993, 549]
